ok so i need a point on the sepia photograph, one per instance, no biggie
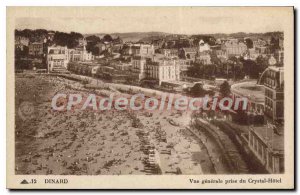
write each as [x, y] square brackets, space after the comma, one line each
[204, 95]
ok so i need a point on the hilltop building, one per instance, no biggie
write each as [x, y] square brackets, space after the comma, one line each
[36, 49]
[203, 58]
[142, 50]
[162, 69]
[57, 58]
[203, 47]
[79, 54]
[188, 53]
[158, 68]
[20, 42]
[234, 48]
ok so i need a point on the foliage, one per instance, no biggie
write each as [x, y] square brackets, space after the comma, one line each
[182, 44]
[195, 70]
[214, 59]
[91, 44]
[249, 43]
[274, 44]
[225, 89]
[197, 90]
[262, 63]
[21, 64]
[107, 38]
[198, 70]
[234, 68]
[93, 39]
[206, 38]
[250, 68]
[21, 53]
[70, 40]
[32, 35]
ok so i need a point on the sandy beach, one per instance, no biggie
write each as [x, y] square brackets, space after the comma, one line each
[87, 142]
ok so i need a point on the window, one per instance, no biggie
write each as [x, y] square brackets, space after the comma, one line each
[270, 161]
[255, 145]
[281, 165]
[264, 154]
[250, 140]
[260, 148]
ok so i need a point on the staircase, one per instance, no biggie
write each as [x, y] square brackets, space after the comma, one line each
[60, 70]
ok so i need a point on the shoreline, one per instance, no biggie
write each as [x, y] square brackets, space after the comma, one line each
[184, 155]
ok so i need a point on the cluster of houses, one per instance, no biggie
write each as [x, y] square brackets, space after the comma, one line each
[231, 47]
[57, 57]
[164, 59]
[163, 62]
[153, 61]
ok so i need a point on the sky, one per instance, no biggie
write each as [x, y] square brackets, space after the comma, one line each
[178, 20]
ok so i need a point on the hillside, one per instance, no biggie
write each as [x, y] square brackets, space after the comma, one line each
[131, 36]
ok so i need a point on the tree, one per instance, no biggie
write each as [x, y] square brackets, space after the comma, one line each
[225, 89]
[107, 38]
[274, 44]
[197, 90]
[234, 65]
[249, 43]
[182, 44]
[60, 38]
[33, 35]
[195, 70]
[93, 39]
[65, 39]
[20, 53]
[262, 63]
[209, 71]
[250, 68]
[91, 44]
[214, 59]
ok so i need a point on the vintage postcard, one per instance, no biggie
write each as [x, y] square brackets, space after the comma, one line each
[150, 98]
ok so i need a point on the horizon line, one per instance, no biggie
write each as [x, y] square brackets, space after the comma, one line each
[190, 34]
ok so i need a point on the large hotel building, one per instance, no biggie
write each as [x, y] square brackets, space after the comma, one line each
[274, 94]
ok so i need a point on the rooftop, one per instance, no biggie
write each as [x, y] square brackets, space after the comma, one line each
[270, 138]
[250, 90]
